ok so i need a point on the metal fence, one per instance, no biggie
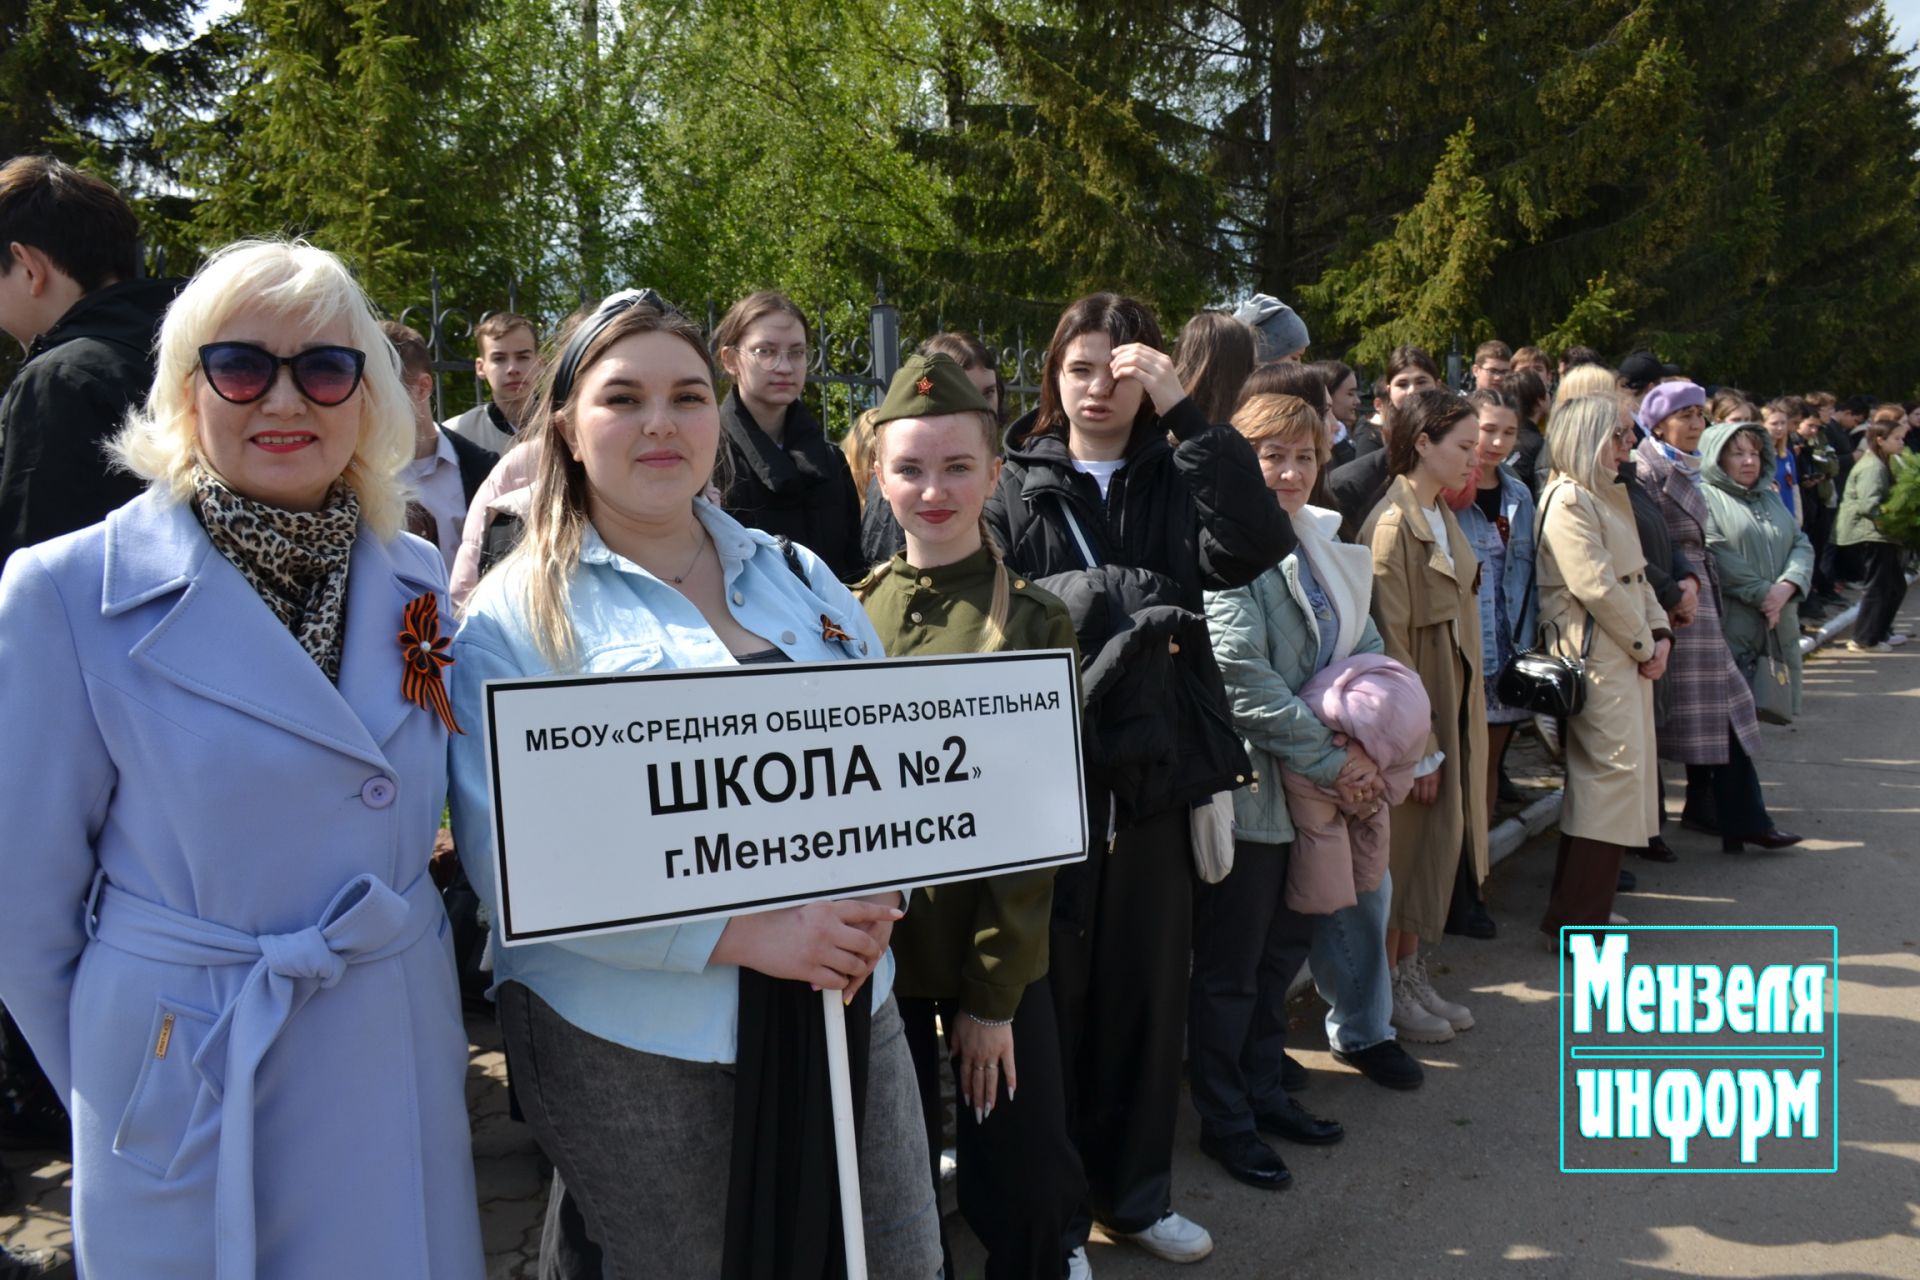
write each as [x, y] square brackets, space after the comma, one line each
[850, 363]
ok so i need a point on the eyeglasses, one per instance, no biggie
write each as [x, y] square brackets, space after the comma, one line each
[768, 359]
[243, 372]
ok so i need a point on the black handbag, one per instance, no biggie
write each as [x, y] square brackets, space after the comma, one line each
[1539, 680]
[1545, 683]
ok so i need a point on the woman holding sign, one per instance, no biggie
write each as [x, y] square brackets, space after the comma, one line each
[677, 1075]
[975, 952]
[218, 930]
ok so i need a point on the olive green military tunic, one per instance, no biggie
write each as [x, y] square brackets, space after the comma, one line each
[981, 941]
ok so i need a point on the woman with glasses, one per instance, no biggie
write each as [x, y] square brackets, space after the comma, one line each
[1709, 723]
[218, 930]
[779, 472]
[1596, 604]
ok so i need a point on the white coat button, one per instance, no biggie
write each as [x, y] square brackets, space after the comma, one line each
[915, 615]
[786, 637]
[926, 582]
[739, 597]
[377, 792]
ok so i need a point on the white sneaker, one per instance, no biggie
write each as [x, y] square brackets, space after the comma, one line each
[1411, 1017]
[1174, 1239]
[1457, 1016]
[1898, 638]
[1078, 1268]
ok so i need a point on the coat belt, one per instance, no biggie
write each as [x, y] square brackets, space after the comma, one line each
[366, 921]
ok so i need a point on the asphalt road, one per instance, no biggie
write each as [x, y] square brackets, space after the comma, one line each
[1462, 1176]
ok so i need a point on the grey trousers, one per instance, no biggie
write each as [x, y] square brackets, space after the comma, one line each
[644, 1144]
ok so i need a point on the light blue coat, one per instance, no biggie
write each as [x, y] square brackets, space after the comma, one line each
[1513, 599]
[216, 929]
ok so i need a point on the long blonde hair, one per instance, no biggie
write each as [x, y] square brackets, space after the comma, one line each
[160, 442]
[1579, 430]
[857, 447]
[557, 513]
[1002, 601]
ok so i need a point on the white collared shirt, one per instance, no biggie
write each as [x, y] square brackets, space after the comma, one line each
[436, 484]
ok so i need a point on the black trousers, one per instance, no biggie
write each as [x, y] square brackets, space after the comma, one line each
[1247, 946]
[1019, 1179]
[1819, 529]
[1885, 591]
[1119, 978]
[1728, 795]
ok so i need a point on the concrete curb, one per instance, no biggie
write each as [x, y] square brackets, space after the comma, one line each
[1510, 836]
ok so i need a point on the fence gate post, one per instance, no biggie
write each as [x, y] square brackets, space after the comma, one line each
[883, 320]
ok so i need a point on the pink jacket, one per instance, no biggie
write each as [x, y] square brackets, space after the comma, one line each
[1383, 707]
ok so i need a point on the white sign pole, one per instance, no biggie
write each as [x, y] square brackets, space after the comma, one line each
[846, 1151]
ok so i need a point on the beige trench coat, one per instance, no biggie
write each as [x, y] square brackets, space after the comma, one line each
[1429, 617]
[1593, 578]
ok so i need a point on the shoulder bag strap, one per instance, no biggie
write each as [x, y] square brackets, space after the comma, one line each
[1079, 535]
[1586, 637]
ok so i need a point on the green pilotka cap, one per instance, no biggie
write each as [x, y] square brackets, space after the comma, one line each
[928, 386]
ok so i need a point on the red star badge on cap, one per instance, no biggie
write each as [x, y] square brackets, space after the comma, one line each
[924, 386]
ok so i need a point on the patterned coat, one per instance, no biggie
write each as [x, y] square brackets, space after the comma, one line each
[1704, 690]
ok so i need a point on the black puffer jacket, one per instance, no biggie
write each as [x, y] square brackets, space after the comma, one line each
[799, 489]
[1198, 512]
[1159, 733]
[1356, 489]
[80, 379]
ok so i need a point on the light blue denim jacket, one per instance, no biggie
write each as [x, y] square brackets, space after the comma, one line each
[649, 989]
[1517, 599]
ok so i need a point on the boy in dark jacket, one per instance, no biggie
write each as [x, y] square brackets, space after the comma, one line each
[68, 258]
[69, 255]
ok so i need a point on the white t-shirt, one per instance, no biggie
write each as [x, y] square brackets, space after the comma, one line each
[1438, 523]
[1102, 472]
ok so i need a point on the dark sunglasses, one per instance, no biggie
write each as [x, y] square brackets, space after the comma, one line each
[242, 372]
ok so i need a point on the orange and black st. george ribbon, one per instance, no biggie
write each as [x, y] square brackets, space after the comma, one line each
[425, 652]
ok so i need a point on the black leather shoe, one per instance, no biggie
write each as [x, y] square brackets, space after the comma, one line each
[1729, 845]
[1474, 922]
[1386, 1064]
[1293, 1076]
[1775, 838]
[1657, 851]
[1249, 1160]
[1627, 882]
[1295, 1123]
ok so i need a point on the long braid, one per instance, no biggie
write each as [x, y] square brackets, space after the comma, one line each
[1002, 602]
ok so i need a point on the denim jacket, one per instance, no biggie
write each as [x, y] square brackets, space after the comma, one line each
[1516, 599]
[647, 989]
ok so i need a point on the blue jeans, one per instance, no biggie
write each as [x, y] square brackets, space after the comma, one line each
[1349, 965]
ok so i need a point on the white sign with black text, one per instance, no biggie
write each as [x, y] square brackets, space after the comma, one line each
[628, 801]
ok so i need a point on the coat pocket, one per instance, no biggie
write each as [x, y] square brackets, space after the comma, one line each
[169, 1095]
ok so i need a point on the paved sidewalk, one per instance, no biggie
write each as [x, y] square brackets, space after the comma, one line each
[1459, 1178]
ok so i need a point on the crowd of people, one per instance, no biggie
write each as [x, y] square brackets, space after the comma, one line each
[238, 953]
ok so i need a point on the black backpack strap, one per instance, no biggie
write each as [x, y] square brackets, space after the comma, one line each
[793, 559]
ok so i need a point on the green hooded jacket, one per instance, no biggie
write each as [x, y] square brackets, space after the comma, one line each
[1755, 544]
[1867, 487]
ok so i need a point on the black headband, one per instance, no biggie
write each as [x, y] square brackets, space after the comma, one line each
[593, 326]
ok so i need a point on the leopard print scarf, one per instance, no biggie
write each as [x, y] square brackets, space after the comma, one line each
[296, 560]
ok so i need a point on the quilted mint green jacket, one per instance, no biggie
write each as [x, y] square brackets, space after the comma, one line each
[1265, 642]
